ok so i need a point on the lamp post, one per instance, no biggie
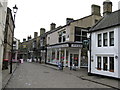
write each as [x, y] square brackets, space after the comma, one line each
[15, 8]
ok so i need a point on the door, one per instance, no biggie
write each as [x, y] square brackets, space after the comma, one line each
[74, 59]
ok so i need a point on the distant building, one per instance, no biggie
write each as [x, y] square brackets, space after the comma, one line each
[105, 44]
[28, 49]
[15, 50]
[3, 13]
[65, 43]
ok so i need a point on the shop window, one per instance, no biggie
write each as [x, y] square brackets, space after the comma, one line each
[53, 54]
[62, 55]
[57, 55]
[105, 64]
[99, 63]
[111, 37]
[105, 40]
[99, 40]
[111, 66]
[66, 57]
[48, 55]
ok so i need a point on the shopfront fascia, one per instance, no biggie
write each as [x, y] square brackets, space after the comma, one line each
[65, 53]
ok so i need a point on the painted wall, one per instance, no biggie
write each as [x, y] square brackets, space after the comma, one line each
[104, 51]
[3, 12]
[119, 51]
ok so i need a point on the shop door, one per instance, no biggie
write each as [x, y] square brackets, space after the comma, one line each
[74, 59]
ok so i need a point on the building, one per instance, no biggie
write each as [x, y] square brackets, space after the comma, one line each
[8, 38]
[105, 44]
[42, 48]
[3, 13]
[65, 43]
[15, 50]
[28, 49]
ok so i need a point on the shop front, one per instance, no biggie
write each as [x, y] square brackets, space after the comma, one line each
[68, 54]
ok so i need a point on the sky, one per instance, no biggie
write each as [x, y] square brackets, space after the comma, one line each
[35, 14]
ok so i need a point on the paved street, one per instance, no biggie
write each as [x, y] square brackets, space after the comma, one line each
[35, 75]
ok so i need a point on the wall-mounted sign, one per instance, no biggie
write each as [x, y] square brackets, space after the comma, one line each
[76, 45]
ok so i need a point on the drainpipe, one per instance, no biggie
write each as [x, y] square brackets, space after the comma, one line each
[89, 73]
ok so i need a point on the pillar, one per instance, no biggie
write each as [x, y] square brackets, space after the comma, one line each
[79, 63]
[65, 57]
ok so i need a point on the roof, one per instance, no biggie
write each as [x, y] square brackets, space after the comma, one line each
[110, 20]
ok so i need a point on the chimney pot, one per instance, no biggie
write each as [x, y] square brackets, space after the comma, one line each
[52, 26]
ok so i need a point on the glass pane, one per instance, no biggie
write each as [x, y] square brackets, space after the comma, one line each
[105, 63]
[77, 31]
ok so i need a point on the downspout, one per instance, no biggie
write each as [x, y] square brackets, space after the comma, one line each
[89, 73]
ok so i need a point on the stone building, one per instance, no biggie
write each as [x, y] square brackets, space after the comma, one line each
[3, 13]
[65, 43]
[8, 37]
[28, 49]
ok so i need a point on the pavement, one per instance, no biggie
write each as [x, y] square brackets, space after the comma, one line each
[6, 74]
[83, 74]
[80, 73]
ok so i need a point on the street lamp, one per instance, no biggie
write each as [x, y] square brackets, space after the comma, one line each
[15, 8]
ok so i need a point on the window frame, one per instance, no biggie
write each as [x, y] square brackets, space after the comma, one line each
[110, 41]
[111, 68]
[105, 39]
[99, 40]
[99, 62]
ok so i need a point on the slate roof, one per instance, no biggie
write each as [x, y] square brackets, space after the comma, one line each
[110, 20]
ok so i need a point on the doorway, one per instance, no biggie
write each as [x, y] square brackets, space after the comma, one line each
[74, 59]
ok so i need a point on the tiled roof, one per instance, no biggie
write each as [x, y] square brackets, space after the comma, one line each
[110, 20]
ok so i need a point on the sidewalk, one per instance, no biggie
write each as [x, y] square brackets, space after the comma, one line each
[82, 74]
[6, 74]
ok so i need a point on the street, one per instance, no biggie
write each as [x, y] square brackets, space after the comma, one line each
[35, 75]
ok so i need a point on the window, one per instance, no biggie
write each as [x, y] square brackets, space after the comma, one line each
[14, 42]
[99, 63]
[105, 63]
[62, 36]
[111, 66]
[96, 20]
[105, 40]
[99, 40]
[80, 35]
[111, 37]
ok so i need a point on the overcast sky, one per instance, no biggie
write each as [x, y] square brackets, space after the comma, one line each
[35, 14]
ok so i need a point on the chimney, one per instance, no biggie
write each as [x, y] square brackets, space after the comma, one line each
[29, 37]
[35, 34]
[52, 26]
[95, 10]
[69, 20]
[107, 7]
[24, 39]
[42, 31]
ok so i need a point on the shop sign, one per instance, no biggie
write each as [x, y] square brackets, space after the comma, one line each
[76, 45]
[58, 46]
